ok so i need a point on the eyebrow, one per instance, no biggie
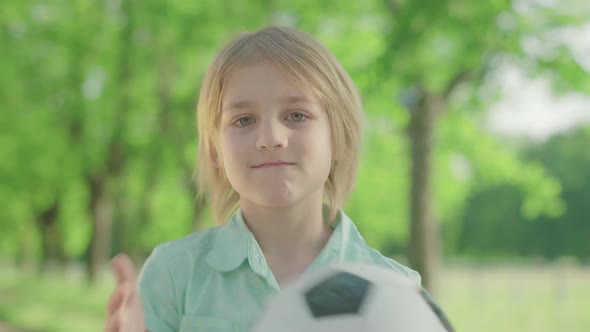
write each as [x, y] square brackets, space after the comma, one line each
[242, 104]
[295, 99]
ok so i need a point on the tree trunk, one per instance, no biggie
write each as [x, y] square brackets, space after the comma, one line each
[425, 243]
[51, 241]
[104, 183]
[101, 209]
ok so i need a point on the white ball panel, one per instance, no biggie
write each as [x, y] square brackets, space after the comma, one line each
[394, 303]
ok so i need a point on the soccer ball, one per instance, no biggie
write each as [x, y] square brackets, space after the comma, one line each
[352, 297]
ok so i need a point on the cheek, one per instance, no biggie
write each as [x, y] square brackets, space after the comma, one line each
[319, 145]
[233, 147]
[326, 141]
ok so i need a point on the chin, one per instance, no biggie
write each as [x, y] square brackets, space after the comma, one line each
[277, 196]
[276, 200]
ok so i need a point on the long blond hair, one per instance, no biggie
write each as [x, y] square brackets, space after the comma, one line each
[315, 70]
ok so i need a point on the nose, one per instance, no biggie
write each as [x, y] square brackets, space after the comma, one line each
[271, 135]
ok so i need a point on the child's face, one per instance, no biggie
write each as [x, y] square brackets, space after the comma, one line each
[275, 140]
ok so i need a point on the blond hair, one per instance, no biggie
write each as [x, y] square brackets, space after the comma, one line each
[315, 70]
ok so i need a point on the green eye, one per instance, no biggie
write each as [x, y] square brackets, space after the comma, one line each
[297, 117]
[245, 121]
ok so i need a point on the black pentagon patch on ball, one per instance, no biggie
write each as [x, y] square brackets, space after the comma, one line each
[339, 294]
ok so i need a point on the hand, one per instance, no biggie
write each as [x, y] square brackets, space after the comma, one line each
[124, 309]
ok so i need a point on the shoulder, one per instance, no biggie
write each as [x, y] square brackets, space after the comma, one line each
[357, 243]
[392, 264]
[182, 253]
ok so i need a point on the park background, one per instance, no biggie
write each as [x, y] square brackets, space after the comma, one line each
[475, 167]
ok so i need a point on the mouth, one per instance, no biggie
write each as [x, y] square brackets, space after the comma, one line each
[273, 164]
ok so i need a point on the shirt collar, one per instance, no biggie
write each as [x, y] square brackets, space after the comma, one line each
[233, 243]
[230, 244]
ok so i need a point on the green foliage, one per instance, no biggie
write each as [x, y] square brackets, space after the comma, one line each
[106, 90]
[497, 219]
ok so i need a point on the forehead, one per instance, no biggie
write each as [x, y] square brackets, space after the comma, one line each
[263, 82]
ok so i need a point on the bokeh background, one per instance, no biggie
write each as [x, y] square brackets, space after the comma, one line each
[475, 166]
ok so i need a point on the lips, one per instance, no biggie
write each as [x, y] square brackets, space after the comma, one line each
[274, 164]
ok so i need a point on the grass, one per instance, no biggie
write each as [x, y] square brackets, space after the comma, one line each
[54, 303]
[517, 299]
[539, 299]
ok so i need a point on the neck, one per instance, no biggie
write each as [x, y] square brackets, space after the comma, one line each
[288, 231]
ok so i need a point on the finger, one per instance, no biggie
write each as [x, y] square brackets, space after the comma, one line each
[132, 299]
[124, 269]
[116, 299]
[113, 324]
[134, 318]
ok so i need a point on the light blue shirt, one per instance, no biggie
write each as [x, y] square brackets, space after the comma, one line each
[217, 280]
